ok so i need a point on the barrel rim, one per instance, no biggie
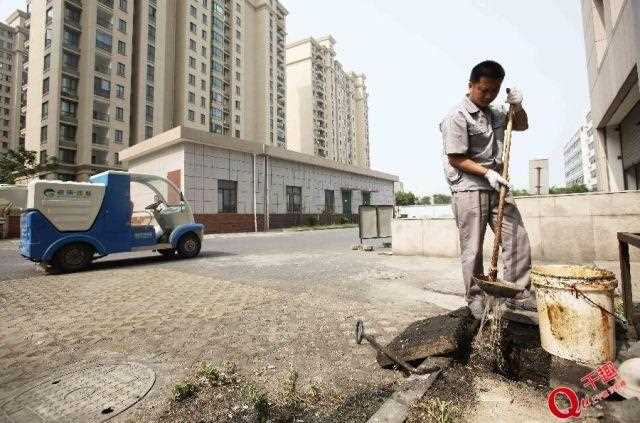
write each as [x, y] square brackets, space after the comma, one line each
[546, 271]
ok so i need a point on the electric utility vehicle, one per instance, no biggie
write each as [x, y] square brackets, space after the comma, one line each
[68, 224]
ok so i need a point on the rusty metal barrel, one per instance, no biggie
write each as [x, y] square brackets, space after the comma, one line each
[575, 312]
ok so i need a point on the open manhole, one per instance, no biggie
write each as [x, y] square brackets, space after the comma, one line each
[90, 394]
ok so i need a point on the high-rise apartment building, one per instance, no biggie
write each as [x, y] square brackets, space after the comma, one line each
[580, 167]
[328, 107]
[612, 46]
[107, 74]
[14, 35]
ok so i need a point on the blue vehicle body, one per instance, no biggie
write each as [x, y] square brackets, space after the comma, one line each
[110, 233]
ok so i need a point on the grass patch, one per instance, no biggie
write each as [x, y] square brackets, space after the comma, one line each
[259, 400]
[435, 410]
[184, 390]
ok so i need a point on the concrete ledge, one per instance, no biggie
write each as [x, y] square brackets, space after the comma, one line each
[573, 228]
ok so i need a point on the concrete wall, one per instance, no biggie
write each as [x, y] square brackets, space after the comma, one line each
[573, 228]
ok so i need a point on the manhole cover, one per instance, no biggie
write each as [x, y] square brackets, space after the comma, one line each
[90, 394]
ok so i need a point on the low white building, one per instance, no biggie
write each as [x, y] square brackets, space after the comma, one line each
[223, 179]
[580, 164]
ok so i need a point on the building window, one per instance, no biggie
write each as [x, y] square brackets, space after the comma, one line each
[67, 156]
[366, 198]
[68, 109]
[150, 93]
[192, 62]
[122, 26]
[329, 201]
[151, 33]
[203, 120]
[103, 41]
[119, 91]
[119, 136]
[192, 116]
[192, 27]
[193, 11]
[122, 48]
[151, 73]
[192, 45]
[152, 15]
[45, 86]
[237, 133]
[192, 80]
[192, 98]
[69, 86]
[148, 115]
[102, 87]
[68, 133]
[123, 5]
[70, 61]
[227, 196]
[121, 69]
[203, 102]
[47, 62]
[44, 134]
[148, 132]
[151, 53]
[45, 110]
[120, 114]
[294, 199]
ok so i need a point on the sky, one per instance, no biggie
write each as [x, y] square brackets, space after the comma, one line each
[417, 56]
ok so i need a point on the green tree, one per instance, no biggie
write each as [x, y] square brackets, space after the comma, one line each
[16, 164]
[519, 192]
[425, 201]
[405, 198]
[569, 190]
[441, 199]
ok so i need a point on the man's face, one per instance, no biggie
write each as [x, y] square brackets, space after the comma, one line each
[483, 92]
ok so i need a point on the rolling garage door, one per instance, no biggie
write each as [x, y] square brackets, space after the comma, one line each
[630, 140]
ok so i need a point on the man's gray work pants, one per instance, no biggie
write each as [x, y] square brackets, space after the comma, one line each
[473, 210]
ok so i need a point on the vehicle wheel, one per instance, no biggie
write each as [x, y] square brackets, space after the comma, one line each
[73, 257]
[167, 252]
[189, 245]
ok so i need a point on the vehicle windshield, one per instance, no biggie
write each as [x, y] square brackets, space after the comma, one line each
[159, 189]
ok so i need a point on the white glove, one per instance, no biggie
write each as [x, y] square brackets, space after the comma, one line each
[495, 180]
[514, 97]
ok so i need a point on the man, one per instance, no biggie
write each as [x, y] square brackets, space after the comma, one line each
[473, 133]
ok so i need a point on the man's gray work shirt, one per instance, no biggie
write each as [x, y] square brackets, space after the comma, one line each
[476, 133]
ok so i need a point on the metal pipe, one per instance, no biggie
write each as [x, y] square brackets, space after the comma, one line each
[255, 213]
[266, 193]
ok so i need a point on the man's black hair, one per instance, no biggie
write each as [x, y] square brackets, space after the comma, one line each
[488, 69]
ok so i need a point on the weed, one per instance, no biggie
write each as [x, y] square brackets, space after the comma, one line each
[435, 410]
[259, 400]
[183, 391]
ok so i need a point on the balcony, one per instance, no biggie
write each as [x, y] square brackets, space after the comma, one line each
[102, 93]
[104, 46]
[106, 3]
[71, 21]
[69, 93]
[71, 70]
[105, 24]
[100, 116]
[68, 117]
[66, 141]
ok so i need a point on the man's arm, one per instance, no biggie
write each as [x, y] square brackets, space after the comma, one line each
[465, 164]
